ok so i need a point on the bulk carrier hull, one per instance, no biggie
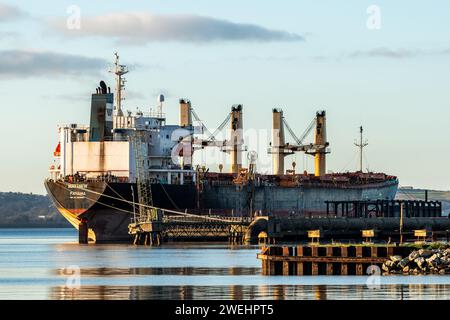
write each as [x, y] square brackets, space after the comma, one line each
[108, 206]
[96, 167]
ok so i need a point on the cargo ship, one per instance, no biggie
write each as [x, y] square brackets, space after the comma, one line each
[99, 170]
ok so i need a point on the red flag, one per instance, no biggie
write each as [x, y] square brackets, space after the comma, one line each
[57, 151]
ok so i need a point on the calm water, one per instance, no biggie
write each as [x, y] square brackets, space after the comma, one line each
[43, 264]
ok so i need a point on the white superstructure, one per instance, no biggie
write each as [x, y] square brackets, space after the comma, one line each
[105, 149]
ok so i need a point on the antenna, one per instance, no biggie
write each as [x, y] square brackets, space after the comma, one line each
[119, 71]
[252, 156]
[160, 104]
[361, 146]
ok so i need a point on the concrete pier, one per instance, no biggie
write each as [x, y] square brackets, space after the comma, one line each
[346, 228]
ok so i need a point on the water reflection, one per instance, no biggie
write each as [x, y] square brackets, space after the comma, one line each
[39, 264]
[239, 292]
[176, 271]
[237, 283]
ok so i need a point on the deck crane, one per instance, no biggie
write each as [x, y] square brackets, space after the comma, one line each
[252, 157]
[234, 145]
[280, 149]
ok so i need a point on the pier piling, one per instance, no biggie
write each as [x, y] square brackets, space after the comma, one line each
[326, 259]
[83, 232]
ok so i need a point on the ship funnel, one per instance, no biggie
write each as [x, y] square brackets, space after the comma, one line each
[103, 87]
[185, 113]
[101, 123]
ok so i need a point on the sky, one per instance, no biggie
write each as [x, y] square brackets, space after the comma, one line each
[384, 65]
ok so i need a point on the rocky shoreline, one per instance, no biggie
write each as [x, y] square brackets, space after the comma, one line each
[423, 261]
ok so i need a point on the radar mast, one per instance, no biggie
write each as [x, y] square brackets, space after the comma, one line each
[361, 146]
[119, 71]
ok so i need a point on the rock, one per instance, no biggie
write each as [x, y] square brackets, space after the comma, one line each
[441, 266]
[403, 263]
[421, 263]
[434, 260]
[389, 266]
[413, 255]
[425, 253]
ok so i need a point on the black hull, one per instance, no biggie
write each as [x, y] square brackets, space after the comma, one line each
[108, 206]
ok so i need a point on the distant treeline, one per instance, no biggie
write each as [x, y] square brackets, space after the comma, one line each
[419, 194]
[29, 210]
[32, 210]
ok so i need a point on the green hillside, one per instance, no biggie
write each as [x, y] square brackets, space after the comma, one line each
[31, 210]
[28, 210]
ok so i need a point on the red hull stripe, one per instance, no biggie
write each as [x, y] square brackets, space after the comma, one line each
[76, 211]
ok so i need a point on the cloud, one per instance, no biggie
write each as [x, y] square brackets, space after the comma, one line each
[386, 53]
[26, 63]
[8, 34]
[138, 28]
[397, 53]
[134, 95]
[69, 97]
[319, 58]
[270, 58]
[129, 95]
[8, 13]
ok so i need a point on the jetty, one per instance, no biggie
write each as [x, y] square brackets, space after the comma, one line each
[326, 259]
[352, 259]
[160, 225]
